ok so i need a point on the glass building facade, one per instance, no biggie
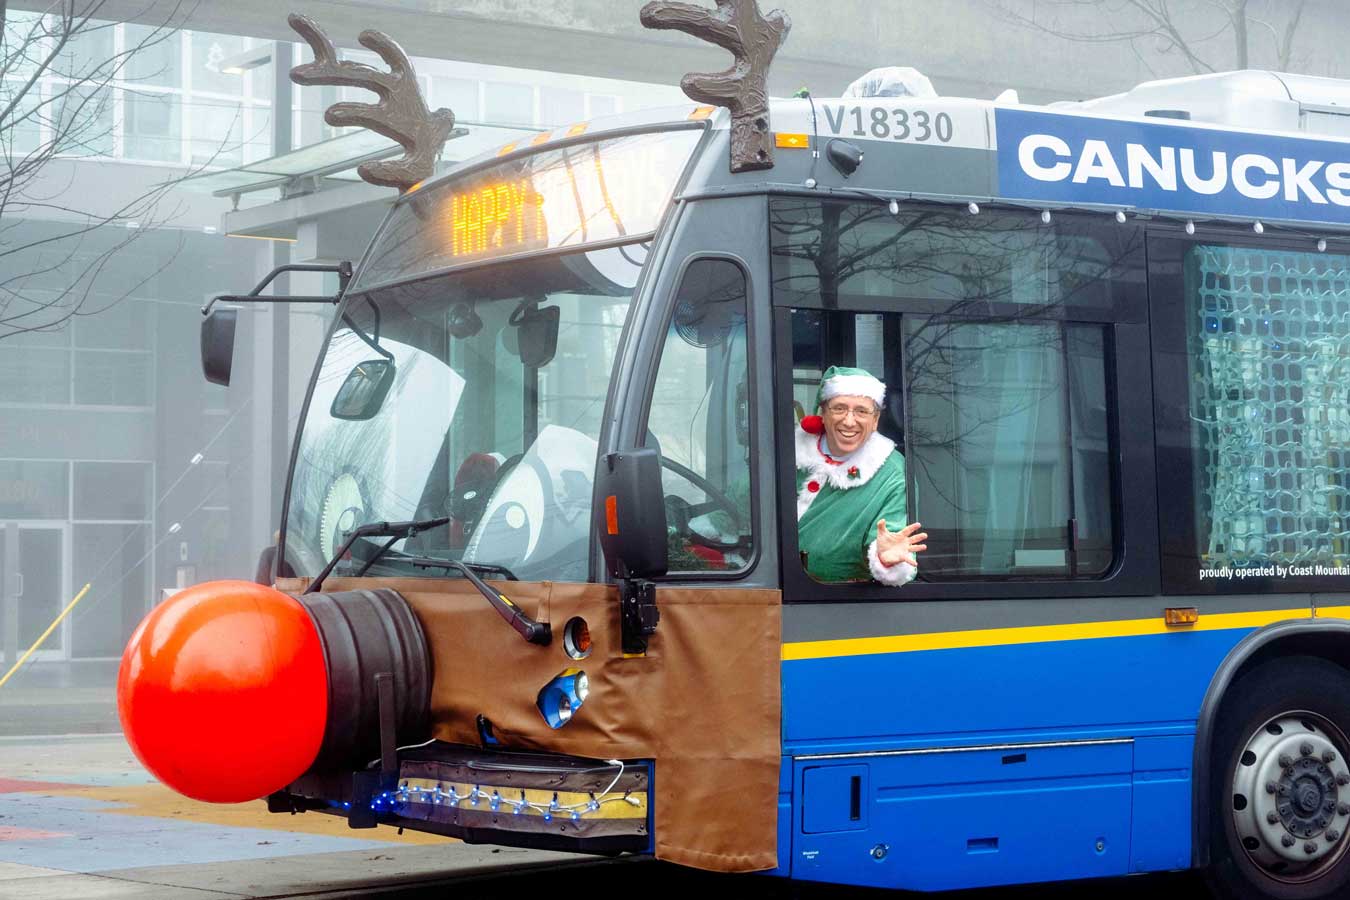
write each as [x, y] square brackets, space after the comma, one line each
[120, 466]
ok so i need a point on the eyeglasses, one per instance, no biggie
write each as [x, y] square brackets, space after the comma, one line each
[840, 410]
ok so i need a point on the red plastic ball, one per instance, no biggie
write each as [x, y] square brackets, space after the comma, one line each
[223, 691]
[813, 425]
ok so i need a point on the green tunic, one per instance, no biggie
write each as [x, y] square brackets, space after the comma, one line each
[837, 513]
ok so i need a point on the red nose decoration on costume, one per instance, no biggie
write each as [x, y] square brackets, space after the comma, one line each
[223, 691]
[813, 425]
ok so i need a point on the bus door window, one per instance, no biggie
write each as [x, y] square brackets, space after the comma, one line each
[699, 420]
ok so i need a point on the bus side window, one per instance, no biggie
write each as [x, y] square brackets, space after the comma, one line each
[1254, 439]
[993, 334]
[1003, 431]
[699, 421]
[1008, 447]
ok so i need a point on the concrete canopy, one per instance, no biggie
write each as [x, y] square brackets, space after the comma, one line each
[967, 47]
[962, 45]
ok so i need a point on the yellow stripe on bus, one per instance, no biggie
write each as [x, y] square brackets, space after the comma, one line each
[1038, 634]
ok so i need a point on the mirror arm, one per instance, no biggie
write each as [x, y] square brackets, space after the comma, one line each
[250, 298]
[342, 269]
[375, 311]
[372, 343]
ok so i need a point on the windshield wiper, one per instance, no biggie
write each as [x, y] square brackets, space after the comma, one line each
[395, 531]
[528, 628]
[435, 562]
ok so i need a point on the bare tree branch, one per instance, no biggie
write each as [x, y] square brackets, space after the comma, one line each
[56, 103]
[1188, 28]
[1287, 45]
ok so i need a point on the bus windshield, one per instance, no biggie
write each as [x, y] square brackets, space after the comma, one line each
[475, 395]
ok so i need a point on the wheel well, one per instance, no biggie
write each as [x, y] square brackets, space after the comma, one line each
[1327, 639]
[1328, 645]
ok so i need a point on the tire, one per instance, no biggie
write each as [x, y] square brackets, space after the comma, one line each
[1280, 784]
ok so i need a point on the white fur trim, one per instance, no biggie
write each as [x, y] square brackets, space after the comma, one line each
[902, 573]
[868, 458]
[804, 498]
[854, 386]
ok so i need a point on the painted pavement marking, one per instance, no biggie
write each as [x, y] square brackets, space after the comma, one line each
[14, 833]
[98, 829]
[26, 785]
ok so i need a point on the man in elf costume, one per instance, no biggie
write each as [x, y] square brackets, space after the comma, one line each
[850, 481]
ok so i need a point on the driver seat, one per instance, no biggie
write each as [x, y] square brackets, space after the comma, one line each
[474, 480]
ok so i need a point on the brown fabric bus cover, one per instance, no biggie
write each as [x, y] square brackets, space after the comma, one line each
[704, 702]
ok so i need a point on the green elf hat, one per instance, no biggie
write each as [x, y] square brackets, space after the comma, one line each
[844, 381]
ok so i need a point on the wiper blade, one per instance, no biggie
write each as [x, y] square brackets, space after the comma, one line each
[395, 531]
[526, 627]
[434, 562]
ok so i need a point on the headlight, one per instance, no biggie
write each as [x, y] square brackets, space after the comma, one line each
[563, 696]
[560, 699]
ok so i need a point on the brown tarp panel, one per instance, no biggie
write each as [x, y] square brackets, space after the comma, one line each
[704, 702]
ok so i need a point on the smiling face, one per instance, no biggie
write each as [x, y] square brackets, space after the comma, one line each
[849, 422]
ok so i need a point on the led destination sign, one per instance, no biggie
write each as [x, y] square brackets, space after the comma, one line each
[587, 193]
[1081, 159]
[496, 218]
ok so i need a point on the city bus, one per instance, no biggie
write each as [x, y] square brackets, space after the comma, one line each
[538, 580]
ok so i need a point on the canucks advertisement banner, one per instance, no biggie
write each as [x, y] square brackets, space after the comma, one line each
[1178, 168]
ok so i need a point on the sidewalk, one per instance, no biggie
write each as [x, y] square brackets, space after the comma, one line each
[71, 697]
[79, 818]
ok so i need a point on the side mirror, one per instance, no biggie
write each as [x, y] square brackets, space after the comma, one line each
[631, 515]
[363, 392]
[218, 345]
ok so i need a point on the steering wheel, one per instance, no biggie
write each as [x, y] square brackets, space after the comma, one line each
[680, 511]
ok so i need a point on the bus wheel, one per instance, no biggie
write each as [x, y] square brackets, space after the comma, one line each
[1281, 788]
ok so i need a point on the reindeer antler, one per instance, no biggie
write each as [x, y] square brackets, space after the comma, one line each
[753, 39]
[400, 115]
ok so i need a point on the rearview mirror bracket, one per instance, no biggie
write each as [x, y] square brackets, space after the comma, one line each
[217, 334]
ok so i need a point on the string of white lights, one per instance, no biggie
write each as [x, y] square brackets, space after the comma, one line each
[452, 797]
[390, 800]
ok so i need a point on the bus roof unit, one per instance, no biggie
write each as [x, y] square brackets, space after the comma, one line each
[1250, 99]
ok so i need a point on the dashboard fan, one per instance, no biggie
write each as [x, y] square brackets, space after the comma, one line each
[710, 304]
[344, 508]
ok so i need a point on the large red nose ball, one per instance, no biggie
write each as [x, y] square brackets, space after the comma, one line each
[223, 691]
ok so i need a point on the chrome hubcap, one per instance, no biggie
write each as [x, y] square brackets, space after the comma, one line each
[1291, 796]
